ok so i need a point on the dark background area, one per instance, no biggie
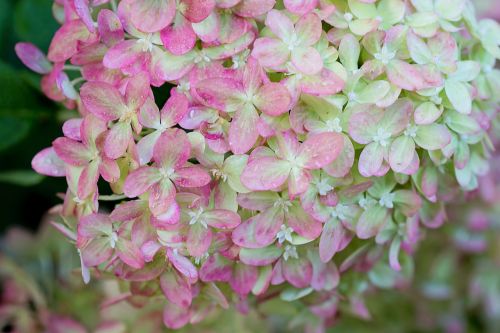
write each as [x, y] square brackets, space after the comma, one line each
[28, 120]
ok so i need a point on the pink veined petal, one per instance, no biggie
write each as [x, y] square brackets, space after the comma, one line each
[326, 276]
[103, 100]
[117, 140]
[152, 15]
[370, 160]
[179, 38]
[176, 288]
[140, 181]
[302, 223]
[83, 11]
[265, 173]
[280, 24]
[46, 162]
[161, 196]
[341, 166]
[87, 183]
[123, 54]
[270, 52]
[300, 7]
[167, 67]
[129, 210]
[363, 123]
[96, 252]
[220, 93]
[174, 110]
[401, 153]
[320, 149]
[252, 76]
[209, 29]
[371, 221]
[325, 82]
[94, 225]
[257, 200]
[297, 271]
[308, 27]
[145, 147]
[172, 149]
[254, 8]
[33, 58]
[66, 40]
[137, 91]
[243, 130]
[129, 253]
[260, 257]
[260, 230]
[168, 218]
[273, 99]
[183, 265]
[198, 10]
[406, 76]
[221, 219]
[72, 129]
[331, 239]
[175, 317]
[72, 152]
[110, 27]
[288, 145]
[243, 278]
[198, 240]
[216, 268]
[149, 115]
[298, 182]
[191, 176]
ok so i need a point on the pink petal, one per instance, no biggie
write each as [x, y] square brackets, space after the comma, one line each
[174, 110]
[302, 223]
[273, 99]
[94, 226]
[152, 15]
[183, 265]
[216, 268]
[83, 11]
[87, 183]
[96, 252]
[71, 152]
[176, 288]
[298, 182]
[221, 219]
[279, 24]
[123, 54]
[307, 60]
[179, 38]
[243, 278]
[254, 8]
[371, 221]
[260, 230]
[370, 160]
[72, 129]
[265, 173]
[137, 91]
[140, 181]
[117, 140]
[300, 7]
[170, 217]
[341, 166]
[46, 162]
[220, 93]
[260, 257]
[103, 100]
[320, 149]
[161, 196]
[109, 26]
[67, 39]
[297, 271]
[198, 10]
[172, 149]
[257, 200]
[33, 58]
[270, 52]
[194, 176]
[175, 317]
[242, 131]
[308, 27]
[129, 253]
[331, 239]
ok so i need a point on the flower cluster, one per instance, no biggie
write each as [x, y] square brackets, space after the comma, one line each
[301, 140]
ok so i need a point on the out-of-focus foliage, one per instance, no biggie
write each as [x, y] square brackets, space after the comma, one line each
[28, 121]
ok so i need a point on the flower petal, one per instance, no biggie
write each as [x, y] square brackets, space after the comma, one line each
[273, 99]
[265, 173]
[140, 181]
[103, 100]
[320, 149]
[152, 15]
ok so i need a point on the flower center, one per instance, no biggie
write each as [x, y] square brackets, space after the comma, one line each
[147, 44]
[382, 137]
[333, 125]
[323, 187]
[348, 17]
[366, 202]
[167, 173]
[293, 42]
[284, 234]
[113, 238]
[196, 217]
[218, 174]
[290, 252]
[411, 131]
[283, 204]
[339, 212]
[385, 55]
[387, 200]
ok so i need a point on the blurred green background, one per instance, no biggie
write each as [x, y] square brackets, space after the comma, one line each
[28, 120]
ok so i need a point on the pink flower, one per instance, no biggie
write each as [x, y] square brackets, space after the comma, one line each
[170, 155]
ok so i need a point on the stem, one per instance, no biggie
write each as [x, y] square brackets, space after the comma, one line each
[113, 5]
[72, 68]
[112, 197]
[77, 80]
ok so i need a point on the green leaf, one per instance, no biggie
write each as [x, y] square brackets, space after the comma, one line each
[21, 177]
[33, 22]
[12, 130]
